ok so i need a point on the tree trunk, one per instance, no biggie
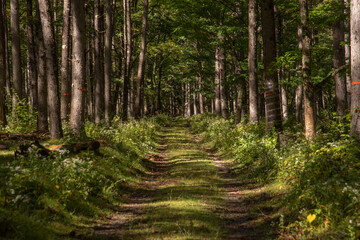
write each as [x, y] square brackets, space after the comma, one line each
[108, 63]
[16, 53]
[201, 98]
[222, 77]
[299, 103]
[139, 103]
[42, 119]
[284, 103]
[159, 104]
[2, 68]
[241, 94]
[252, 62]
[65, 81]
[355, 67]
[128, 47]
[217, 100]
[338, 61]
[31, 56]
[90, 66]
[7, 65]
[187, 100]
[272, 98]
[98, 62]
[195, 101]
[51, 70]
[308, 89]
[78, 68]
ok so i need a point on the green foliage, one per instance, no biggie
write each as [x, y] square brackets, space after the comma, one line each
[22, 120]
[215, 128]
[255, 150]
[324, 180]
[67, 185]
[321, 178]
[137, 135]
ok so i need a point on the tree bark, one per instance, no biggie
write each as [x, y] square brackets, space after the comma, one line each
[42, 119]
[195, 101]
[284, 103]
[2, 68]
[201, 98]
[252, 62]
[51, 70]
[90, 66]
[78, 67]
[217, 101]
[222, 78]
[139, 102]
[98, 62]
[347, 53]
[159, 98]
[272, 98]
[241, 92]
[308, 89]
[31, 56]
[65, 80]
[128, 47]
[338, 61]
[108, 63]
[7, 65]
[16, 53]
[355, 67]
[187, 100]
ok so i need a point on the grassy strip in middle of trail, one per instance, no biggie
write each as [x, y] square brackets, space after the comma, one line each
[192, 193]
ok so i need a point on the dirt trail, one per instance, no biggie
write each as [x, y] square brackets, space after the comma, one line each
[191, 194]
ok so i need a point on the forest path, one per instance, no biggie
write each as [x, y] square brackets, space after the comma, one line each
[192, 195]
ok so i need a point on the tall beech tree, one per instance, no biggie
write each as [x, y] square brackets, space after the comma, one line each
[32, 70]
[51, 70]
[339, 61]
[7, 64]
[217, 100]
[42, 113]
[355, 66]
[65, 79]
[272, 98]
[308, 88]
[252, 62]
[78, 67]
[98, 61]
[128, 54]
[16, 52]
[222, 78]
[108, 64]
[139, 102]
[2, 68]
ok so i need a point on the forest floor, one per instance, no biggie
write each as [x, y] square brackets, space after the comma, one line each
[191, 193]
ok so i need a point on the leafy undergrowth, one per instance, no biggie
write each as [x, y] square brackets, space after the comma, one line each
[319, 182]
[49, 197]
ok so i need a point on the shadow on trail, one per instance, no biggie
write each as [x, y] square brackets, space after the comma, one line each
[188, 194]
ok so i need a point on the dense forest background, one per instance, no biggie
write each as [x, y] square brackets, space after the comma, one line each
[273, 83]
[276, 60]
